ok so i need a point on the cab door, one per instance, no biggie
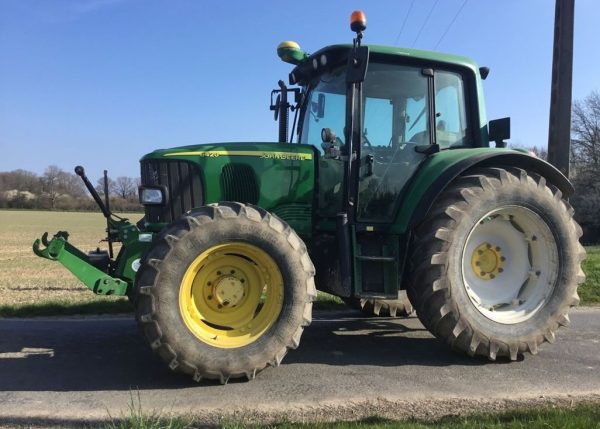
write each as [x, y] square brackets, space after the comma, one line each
[396, 102]
[396, 105]
[410, 112]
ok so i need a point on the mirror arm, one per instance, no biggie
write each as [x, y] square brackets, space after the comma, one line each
[283, 113]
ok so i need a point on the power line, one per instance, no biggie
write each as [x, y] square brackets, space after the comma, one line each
[404, 22]
[425, 22]
[450, 25]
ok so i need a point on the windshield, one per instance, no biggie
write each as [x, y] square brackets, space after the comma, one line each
[394, 99]
[325, 108]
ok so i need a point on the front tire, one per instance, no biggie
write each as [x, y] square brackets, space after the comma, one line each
[496, 264]
[225, 291]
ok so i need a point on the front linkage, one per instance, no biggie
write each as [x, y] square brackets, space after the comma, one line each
[97, 270]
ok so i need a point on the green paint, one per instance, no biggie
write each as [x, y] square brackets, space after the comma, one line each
[429, 171]
[121, 276]
[290, 52]
[284, 173]
[59, 249]
[135, 244]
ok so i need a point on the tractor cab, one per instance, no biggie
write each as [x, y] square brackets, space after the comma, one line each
[377, 112]
[406, 109]
[374, 115]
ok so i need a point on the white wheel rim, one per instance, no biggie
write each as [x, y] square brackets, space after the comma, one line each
[510, 264]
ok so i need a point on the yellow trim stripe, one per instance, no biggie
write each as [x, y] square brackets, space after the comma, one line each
[292, 156]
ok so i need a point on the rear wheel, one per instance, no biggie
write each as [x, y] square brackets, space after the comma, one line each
[496, 264]
[225, 291]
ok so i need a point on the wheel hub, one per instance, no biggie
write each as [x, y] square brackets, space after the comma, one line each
[231, 294]
[508, 275]
[487, 261]
[229, 291]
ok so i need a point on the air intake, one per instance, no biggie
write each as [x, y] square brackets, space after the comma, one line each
[239, 183]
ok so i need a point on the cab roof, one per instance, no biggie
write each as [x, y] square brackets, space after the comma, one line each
[339, 51]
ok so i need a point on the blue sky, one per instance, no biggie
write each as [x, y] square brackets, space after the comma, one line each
[101, 82]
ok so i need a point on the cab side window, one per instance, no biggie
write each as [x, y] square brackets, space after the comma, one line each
[450, 111]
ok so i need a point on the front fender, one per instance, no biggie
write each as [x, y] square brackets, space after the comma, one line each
[439, 170]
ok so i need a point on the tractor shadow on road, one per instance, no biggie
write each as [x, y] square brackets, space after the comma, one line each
[109, 354]
[352, 339]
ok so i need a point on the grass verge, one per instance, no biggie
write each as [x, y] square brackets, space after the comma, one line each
[589, 292]
[586, 416]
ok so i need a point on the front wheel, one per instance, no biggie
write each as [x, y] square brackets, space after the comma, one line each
[225, 291]
[496, 264]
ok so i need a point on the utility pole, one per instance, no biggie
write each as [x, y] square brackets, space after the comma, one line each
[559, 133]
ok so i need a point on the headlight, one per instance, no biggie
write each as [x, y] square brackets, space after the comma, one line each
[155, 196]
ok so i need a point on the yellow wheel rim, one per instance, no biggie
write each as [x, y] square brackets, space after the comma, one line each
[231, 294]
[487, 261]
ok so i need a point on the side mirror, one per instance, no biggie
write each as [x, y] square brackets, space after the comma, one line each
[499, 130]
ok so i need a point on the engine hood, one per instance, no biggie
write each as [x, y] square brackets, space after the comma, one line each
[279, 177]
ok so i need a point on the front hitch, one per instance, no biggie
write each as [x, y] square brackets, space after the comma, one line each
[77, 262]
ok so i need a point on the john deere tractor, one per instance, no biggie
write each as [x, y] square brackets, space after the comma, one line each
[391, 180]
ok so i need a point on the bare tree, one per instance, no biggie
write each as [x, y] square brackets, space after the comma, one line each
[585, 164]
[541, 152]
[585, 147]
[125, 187]
[50, 184]
[100, 185]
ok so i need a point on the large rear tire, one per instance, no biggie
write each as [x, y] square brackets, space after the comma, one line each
[496, 263]
[225, 291]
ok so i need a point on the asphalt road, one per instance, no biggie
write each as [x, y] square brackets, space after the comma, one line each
[347, 366]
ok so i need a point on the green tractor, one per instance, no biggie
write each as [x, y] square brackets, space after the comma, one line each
[392, 186]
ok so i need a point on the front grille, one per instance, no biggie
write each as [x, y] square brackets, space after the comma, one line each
[183, 183]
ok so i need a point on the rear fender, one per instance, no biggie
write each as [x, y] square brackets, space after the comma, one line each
[436, 174]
